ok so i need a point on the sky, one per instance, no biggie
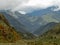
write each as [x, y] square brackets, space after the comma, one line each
[26, 6]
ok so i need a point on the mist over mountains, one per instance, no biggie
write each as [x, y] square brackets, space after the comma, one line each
[31, 22]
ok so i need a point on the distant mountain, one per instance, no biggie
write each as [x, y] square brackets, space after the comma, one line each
[41, 12]
[32, 21]
[51, 37]
[20, 28]
[14, 22]
[44, 18]
[44, 28]
[24, 20]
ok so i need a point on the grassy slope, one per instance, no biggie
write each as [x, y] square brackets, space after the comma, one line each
[7, 33]
[51, 37]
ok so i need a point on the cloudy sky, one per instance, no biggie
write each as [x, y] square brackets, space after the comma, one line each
[25, 6]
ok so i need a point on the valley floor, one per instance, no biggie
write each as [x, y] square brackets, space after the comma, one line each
[21, 42]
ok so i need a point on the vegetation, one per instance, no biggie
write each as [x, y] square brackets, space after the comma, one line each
[7, 33]
[51, 37]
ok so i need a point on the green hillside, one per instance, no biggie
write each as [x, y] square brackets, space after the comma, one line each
[7, 33]
[51, 37]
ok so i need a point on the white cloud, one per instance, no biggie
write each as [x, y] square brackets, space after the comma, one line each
[22, 12]
[32, 5]
[10, 4]
[28, 5]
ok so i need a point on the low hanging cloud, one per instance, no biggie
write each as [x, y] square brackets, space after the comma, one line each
[10, 4]
[28, 5]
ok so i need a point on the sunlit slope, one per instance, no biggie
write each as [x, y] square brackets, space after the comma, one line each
[7, 33]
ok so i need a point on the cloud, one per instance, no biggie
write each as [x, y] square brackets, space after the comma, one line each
[22, 12]
[32, 5]
[29, 5]
[10, 4]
